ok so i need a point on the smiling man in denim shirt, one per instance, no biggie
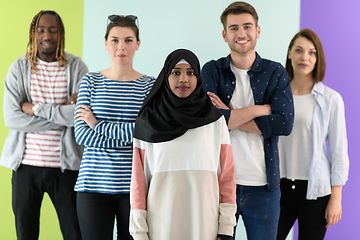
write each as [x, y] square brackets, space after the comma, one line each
[255, 97]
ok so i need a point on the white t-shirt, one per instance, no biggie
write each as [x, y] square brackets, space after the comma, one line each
[296, 150]
[248, 148]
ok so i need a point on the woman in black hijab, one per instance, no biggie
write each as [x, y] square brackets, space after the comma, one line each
[183, 180]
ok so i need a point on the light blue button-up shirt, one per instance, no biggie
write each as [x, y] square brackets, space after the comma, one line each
[328, 127]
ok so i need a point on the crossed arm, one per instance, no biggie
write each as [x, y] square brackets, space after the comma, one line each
[274, 118]
[26, 107]
[18, 114]
[242, 118]
[90, 131]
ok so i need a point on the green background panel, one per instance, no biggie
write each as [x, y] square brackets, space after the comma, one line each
[15, 19]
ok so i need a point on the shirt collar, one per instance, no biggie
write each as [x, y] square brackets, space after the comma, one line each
[318, 88]
[256, 67]
[226, 63]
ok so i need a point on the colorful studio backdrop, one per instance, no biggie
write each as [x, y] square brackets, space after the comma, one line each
[194, 24]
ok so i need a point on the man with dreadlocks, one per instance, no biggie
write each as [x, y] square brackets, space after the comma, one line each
[40, 92]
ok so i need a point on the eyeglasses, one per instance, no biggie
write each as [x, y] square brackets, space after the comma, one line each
[116, 18]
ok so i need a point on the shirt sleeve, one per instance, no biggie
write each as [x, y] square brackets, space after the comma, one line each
[280, 121]
[339, 159]
[14, 94]
[117, 131]
[210, 79]
[58, 114]
[64, 114]
[227, 186]
[84, 135]
[138, 196]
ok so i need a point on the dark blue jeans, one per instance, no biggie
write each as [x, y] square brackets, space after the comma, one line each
[260, 210]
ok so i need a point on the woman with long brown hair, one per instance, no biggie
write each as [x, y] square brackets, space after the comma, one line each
[312, 181]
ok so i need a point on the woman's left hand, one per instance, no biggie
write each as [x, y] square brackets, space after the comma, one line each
[216, 101]
[333, 209]
[84, 113]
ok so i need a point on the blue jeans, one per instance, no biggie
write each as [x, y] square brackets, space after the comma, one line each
[260, 210]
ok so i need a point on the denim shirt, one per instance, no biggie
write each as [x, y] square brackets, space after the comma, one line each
[328, 125]
[270, 85]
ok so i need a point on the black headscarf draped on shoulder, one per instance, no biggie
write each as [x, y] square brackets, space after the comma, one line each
[164, 116]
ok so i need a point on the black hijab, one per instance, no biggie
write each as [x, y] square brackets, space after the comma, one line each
[164, 116]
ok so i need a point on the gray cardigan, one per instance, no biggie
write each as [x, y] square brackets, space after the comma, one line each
[49, 116]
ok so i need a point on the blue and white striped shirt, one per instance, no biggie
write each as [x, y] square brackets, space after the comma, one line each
[107, 158]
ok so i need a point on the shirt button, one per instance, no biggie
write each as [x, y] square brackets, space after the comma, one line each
[228, 96]
[293, 186]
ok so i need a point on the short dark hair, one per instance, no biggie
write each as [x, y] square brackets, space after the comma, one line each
[239, 8]
[122, 23]
[320, 65]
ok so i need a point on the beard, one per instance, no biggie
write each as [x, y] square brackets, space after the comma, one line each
[242, 50]
[47, 51]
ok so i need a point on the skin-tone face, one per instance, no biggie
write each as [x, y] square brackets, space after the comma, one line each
[182, 80]
[47, 37]
[122, 45]
[241, 33]
[302, 56]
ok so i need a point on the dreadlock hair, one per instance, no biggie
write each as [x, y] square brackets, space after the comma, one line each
[32, 46]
